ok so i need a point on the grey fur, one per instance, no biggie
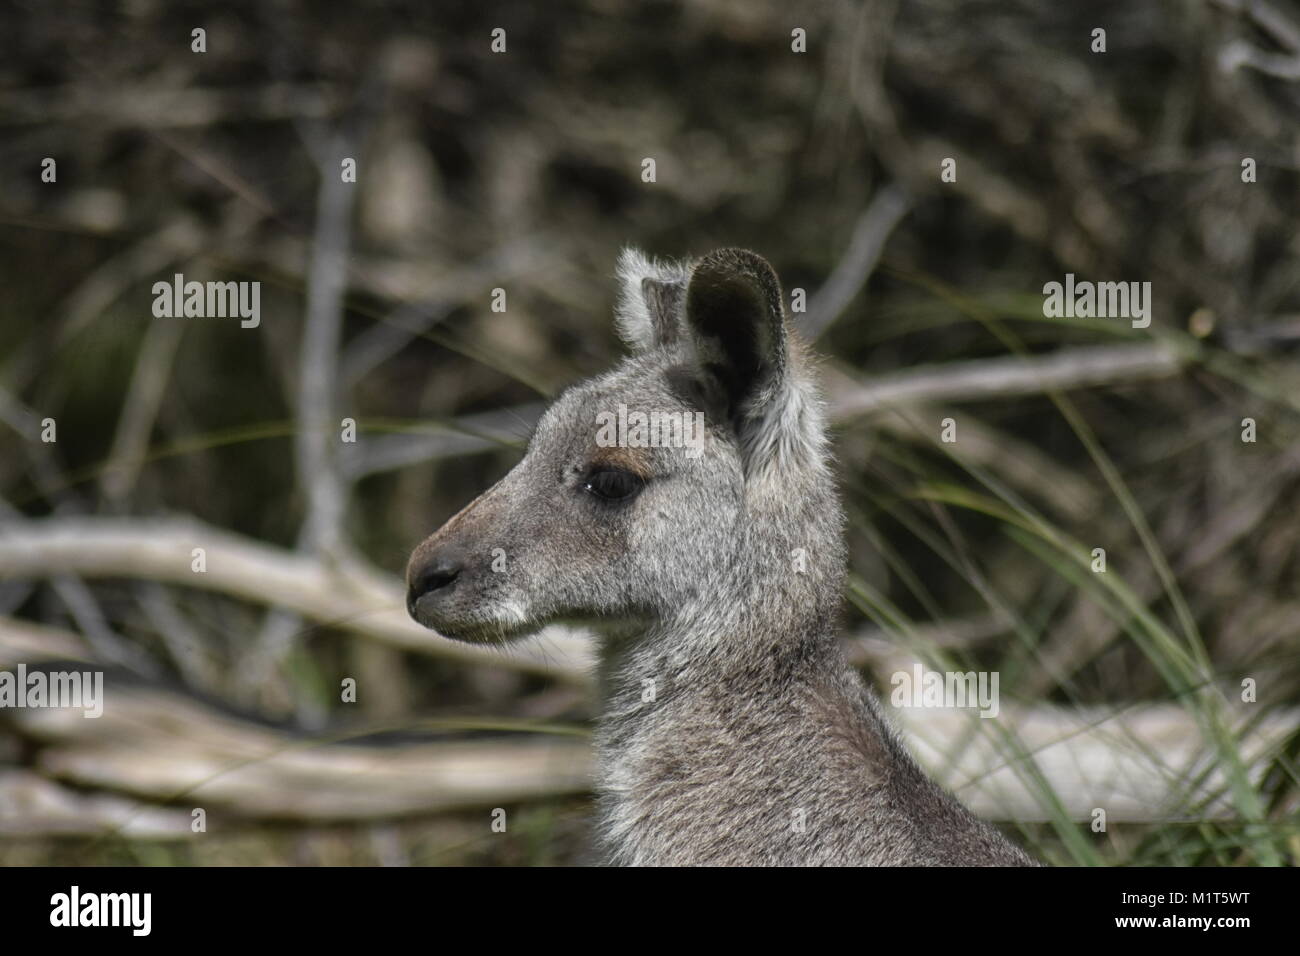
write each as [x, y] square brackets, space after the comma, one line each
[732, 729]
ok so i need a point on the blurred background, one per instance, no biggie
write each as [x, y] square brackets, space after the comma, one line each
[1163, 692]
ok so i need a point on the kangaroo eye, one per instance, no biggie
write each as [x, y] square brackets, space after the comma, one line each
[613, 484]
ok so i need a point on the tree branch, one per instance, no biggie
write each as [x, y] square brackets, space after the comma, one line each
[355, 600]
[1007, 377]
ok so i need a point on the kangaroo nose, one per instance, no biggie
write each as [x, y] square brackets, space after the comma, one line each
[438, 573]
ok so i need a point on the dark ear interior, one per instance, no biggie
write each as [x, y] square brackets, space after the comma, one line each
[733, 308]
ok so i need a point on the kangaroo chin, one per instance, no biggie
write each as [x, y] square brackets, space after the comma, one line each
[683, 504]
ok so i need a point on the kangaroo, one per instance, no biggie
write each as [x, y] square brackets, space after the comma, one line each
[732, 731]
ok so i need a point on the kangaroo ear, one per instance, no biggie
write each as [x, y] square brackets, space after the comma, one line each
[651, 292]
[735, 317]
[735, 324]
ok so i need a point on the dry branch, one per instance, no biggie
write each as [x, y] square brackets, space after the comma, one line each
[1010, 376]
[164, 746]
[352, 598]
[167, 747]
[463, 436]
[147, 106]
[870, 234]
[33, 806]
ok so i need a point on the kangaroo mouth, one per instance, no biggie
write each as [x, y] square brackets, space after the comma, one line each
[476, 629]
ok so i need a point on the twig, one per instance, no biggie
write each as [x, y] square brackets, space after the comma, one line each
[145, 106]
[316, 462]
[184, 644]
[32, 806]
[140, 409]
[451, 286]
[317, 470]
[462, 436]
[1239, 53]
[870, 234]
[22, 640]
[89, 617]
[1004, 377]
[1269, 19]
[351, 599]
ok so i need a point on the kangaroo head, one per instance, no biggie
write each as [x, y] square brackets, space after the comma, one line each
[696, 466]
